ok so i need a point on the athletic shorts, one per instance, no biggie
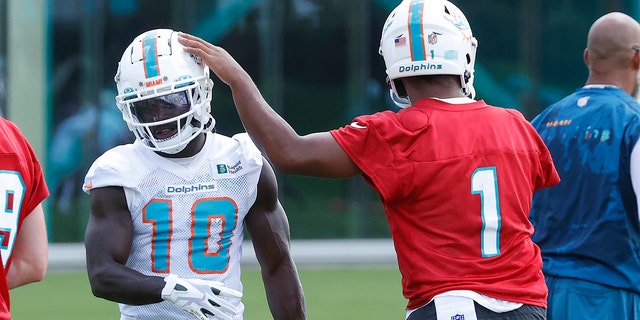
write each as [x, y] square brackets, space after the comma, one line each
[579, 299]
[526, 312]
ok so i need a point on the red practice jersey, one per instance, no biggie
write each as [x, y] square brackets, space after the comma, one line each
[22, 188]
[456, 182]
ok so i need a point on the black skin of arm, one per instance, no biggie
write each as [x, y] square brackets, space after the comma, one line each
[108, 239]
[268, 228]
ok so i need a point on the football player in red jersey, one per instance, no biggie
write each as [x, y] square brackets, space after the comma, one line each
[22, 225]
[456, 176]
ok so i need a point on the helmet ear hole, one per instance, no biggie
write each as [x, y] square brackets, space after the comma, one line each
[400, 89]
[397, 88]
[398, 93]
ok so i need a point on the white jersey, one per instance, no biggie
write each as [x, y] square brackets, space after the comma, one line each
[188, 214]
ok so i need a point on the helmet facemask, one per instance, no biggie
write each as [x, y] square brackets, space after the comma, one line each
[398, 93]
[164, 93]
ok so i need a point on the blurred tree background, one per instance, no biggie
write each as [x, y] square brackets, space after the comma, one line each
[316, 62]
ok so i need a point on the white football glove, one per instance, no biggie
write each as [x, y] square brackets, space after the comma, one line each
[201, 298]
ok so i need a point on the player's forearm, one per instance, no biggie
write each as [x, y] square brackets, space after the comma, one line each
[123, 285]
[30, 252]
[269, 131]
[285, 294]
[25, 272]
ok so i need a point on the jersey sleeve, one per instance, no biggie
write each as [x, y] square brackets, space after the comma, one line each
[548, 175]
[37, 190]
[248, 147]
[107, 171]
[363, 142]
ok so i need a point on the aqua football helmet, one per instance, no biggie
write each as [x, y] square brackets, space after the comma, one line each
[427, 37]
[164, 93]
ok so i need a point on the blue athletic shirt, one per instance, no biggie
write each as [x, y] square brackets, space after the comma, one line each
[587, 226]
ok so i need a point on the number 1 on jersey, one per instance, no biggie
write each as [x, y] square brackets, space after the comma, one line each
[484, 182]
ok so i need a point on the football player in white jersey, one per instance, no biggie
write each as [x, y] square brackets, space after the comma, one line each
[168, 212]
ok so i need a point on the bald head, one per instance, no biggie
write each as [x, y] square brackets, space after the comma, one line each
[610, 54]
[611, 39]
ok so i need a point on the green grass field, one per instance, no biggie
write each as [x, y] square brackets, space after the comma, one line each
[330, 293]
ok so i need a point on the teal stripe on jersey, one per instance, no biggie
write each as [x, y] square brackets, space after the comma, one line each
[150, 56]
[415, 31]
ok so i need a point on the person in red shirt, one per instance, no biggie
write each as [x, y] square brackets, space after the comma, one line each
[22, 226]
[456, 176]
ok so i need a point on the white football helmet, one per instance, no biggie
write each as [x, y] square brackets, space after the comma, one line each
[164, 93]
[427, 37]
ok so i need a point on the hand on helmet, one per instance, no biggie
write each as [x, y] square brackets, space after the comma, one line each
[216, 58]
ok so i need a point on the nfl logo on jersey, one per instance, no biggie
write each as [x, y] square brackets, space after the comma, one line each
[458, 317]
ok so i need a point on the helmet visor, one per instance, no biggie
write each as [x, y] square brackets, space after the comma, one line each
[161, 108]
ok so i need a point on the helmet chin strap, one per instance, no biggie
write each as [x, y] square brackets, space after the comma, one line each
[174, 150]
[187, 133]
[184, 136]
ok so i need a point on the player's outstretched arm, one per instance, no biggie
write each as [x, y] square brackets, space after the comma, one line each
[30, 255]
[269, 230]
[316, 154]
